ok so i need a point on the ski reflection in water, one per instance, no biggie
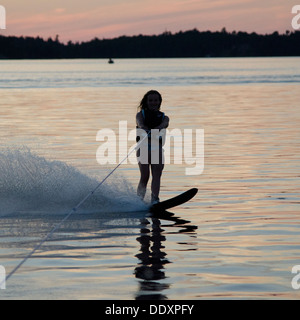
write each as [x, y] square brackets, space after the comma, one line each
[152, 256]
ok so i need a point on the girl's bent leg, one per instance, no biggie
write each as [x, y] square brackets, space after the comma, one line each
[145, 173]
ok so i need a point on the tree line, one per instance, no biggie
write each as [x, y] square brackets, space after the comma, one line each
[192, 43]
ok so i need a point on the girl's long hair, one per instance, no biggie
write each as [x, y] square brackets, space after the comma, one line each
[144, 105]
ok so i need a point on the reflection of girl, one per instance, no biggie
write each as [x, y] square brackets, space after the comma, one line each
[150, 117]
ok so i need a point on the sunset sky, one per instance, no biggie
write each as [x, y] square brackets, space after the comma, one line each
[79, 20]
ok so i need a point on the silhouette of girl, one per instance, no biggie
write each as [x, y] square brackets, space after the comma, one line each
[148, 118]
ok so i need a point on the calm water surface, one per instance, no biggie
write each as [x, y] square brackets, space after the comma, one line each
[238, 238]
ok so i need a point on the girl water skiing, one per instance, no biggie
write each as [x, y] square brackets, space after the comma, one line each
[148, 118]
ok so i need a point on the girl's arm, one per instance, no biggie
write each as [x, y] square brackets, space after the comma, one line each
[164, 124]
[140, 121]
[141, 124]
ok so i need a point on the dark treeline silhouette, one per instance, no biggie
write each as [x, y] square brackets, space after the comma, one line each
[191, 43]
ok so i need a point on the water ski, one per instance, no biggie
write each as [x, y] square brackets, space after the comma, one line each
[173, 202]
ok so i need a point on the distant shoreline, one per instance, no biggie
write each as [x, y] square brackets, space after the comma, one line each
[188, 44]
[105, 59]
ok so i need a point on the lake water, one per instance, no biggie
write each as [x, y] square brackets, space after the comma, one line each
[239, 238]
